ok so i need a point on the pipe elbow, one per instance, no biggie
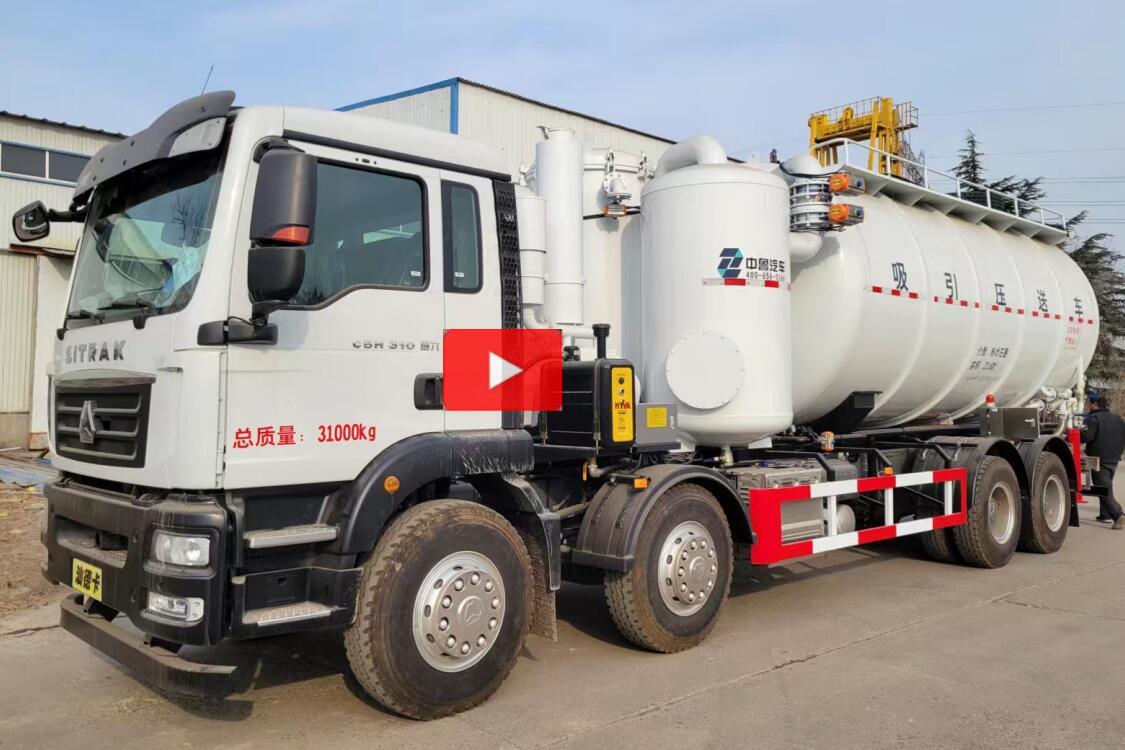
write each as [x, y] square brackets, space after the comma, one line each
[803, 246]
[699, 149]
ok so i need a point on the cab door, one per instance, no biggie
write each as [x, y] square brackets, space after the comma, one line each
[471, 263]
[338, 387]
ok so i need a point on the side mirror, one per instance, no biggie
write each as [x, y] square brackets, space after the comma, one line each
[281, 224]
[31, 223]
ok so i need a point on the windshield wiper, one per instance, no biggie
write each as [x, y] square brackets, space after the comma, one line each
[147, 308]
[79, 315]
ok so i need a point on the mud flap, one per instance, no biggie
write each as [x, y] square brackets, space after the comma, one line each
[542, 621]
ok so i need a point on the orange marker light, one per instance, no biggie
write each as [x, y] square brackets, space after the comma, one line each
[391, 484]
[640, 483]
[839, 182]
[292, 235]
[888, 470]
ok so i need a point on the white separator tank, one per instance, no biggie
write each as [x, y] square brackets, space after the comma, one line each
[715, 307]
[934, 313]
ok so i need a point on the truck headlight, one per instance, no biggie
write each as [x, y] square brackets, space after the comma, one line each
[181, 549]
[183, 608]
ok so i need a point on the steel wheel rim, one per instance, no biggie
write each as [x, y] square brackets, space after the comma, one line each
[458, 611]
[689, 568]
[1001, 513]
[1054, 503]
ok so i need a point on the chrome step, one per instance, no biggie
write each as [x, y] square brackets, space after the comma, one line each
[286, 613]
[290, 535]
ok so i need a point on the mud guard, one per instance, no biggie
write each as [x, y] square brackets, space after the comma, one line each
[364, 505]
[611, 525]
[970, 451]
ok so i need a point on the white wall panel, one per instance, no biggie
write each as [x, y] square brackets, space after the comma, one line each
[52, 279]
[512, 126]
[54, 137]
[429, 109]
[17, 326]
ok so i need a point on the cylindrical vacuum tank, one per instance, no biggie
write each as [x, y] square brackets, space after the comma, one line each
[715, 301]
[558, 180]
[934, 313]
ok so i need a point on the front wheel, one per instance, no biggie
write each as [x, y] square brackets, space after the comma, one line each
[671, 598]
[442, 612]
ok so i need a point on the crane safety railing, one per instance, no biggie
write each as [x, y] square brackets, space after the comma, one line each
[846, 152]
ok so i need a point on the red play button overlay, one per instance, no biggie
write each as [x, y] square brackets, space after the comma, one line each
[493, 369]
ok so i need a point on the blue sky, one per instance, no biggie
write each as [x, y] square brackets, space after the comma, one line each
[747, 72]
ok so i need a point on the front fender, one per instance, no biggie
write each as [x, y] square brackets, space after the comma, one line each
[365, 504]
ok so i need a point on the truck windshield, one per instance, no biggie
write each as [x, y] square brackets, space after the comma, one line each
[145, 239]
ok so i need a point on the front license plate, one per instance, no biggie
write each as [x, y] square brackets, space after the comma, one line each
[87, 578]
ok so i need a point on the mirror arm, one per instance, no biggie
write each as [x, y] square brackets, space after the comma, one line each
[78, 214]
[236, 331]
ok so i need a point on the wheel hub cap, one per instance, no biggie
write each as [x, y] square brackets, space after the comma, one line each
[1001, 513]
[688, 568]
[1054, 503]
[458, 611]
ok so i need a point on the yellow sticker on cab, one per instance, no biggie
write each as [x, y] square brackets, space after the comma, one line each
[87, 578]
[656, 417]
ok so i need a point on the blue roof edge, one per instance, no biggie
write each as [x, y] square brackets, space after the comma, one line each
[450, 83]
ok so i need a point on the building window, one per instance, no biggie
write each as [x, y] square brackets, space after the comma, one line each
[23, 160]
[461, 232]
[369, 232]
[40, 162]
[65, 167]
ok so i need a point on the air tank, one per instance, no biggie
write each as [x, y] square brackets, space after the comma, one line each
[714, 296]
[934, 313]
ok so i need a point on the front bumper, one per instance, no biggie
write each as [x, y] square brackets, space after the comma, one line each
[114, 532]
[152, 662]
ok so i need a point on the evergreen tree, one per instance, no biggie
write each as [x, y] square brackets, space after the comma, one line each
[970, 168]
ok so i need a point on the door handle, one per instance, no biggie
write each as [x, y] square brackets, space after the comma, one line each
[427, 391]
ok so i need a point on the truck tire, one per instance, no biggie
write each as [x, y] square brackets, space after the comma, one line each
[1046, 514]
[938, 544]
[442, 610]
[988, 538]
[672, 597]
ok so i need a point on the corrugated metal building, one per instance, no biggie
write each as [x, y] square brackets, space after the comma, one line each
[508, 122]
[39, 160]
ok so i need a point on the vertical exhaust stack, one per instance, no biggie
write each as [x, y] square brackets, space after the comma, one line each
[531, 212]
[558, 178]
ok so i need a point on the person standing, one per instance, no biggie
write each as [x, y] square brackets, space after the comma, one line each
[1104, 436]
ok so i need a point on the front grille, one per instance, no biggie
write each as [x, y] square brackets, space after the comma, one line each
[103, 421]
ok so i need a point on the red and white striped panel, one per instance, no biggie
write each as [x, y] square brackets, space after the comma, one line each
[740, 281]
[765, 513]
[888, 291]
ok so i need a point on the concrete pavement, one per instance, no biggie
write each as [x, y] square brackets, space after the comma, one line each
[873, 647]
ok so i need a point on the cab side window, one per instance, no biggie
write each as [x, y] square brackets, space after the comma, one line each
[370, 232]
[460, 211]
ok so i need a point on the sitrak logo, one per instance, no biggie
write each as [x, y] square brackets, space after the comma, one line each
[730, 263]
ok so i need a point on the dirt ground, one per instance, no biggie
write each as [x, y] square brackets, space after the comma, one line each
[21, 583]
